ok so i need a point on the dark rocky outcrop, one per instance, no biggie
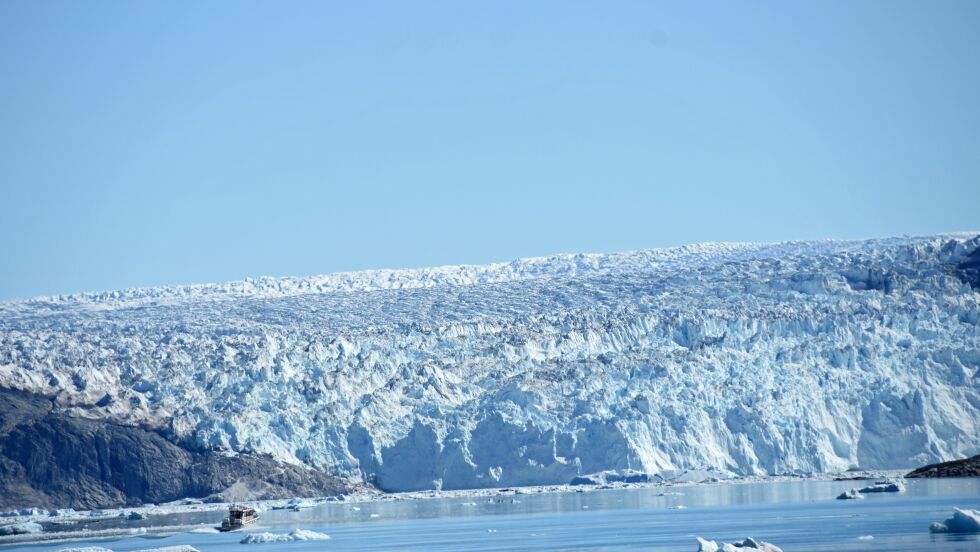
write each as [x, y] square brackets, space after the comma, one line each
[51, 460]
[967, 467]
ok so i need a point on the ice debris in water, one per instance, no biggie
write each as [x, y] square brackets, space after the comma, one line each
[963, 521]
[748, 544]
[177, 548]
[852, 494]
[887, 486]
[294, 535]
[21, 528]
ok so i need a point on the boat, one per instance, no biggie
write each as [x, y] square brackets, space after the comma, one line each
[238, 517]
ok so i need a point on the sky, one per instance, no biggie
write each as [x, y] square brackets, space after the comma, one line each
[153, 143]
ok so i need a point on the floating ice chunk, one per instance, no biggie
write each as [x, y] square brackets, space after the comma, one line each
[887, 486]
[294, 535]
[866, 537]
[963, 521]
[21, 528]
[852, 494]
[748, 544]
[136, 516]
[299, 505]
[177, 548]
[85, 549]
[706, 545]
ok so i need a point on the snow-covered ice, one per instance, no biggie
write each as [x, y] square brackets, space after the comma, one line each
[852, 494]
[963, 521]
[294, 535]
[731, 359]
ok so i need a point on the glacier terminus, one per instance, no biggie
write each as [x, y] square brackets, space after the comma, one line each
[782, 358]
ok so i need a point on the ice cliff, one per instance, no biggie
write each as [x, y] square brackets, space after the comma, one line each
[748, 358]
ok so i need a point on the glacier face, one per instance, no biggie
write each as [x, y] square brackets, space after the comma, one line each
[771, 358]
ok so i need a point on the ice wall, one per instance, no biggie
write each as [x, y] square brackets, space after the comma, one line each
[772, 358]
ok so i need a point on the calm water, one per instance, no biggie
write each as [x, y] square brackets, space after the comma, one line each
[794, 515]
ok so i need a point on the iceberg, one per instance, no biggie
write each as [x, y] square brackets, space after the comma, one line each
[888, 486]
[21, 528]
[747, 544]
[294, 535]
[963, 521]
[853, 494]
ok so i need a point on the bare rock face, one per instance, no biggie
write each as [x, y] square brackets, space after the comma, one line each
[51, 460]
[967, 467]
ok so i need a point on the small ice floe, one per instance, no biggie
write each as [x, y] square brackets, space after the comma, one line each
[852, 494]
[963, 521]
[84, 549]
[678, 507]
[491, 530]
[886, 486]
[866, 538]
[21, 528]
[375, 515]
[294, 535]
[298, 504]
[670, 494]
[355, 508]
[468, 504]
[177, 548]
[748, 544]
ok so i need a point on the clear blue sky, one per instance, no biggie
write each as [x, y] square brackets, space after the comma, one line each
[148, 143]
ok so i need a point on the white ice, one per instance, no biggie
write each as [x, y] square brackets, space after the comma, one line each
[294, 535]
[963, 521]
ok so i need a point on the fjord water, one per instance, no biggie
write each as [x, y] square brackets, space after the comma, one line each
[795, 515]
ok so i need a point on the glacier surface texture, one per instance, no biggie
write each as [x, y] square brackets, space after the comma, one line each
[742, 358]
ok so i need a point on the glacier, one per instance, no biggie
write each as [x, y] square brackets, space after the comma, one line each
[780, 358]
